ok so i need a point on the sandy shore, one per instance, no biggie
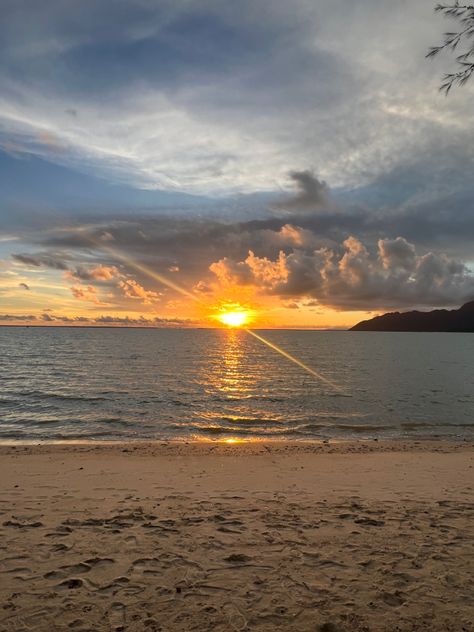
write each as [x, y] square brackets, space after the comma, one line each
[266, 536]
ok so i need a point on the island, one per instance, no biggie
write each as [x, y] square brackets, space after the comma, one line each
[454, 320]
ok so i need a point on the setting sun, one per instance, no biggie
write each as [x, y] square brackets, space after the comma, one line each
[234, 318]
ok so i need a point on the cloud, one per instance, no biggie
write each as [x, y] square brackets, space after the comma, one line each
[109, 274]
[105, 320]
[133, 289]
[17, 317]
[309, 255]
[101, 274]
[142, 321]
[397, 253]
[352, 277]
[230, 272]
[206, 97]
[87, 293]
[98, 273]
[47, 260]
[312, 194]
[291, 235]
[297, 258]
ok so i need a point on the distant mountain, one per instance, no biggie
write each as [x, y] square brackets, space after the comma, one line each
[461, 319]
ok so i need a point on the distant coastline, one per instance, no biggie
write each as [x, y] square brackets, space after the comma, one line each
[439, 320]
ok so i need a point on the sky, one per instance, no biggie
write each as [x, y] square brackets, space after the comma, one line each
[163, 161]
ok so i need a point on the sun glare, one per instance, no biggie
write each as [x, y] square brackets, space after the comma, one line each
[234, 318]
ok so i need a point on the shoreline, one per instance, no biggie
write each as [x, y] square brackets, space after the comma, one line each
[237, 446]
[362, 536]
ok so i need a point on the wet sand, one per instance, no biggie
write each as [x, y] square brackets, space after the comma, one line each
[362, 536]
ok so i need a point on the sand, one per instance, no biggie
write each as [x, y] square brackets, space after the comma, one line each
[263, 536]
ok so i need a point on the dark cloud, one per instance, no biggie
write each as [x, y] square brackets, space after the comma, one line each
[193, 245]
[352, 277]
[99, 273]
[312, 194]
[18, 317]
[27, 260]
[142, 321]
[194, 242]
[105, 320]
[47, 260]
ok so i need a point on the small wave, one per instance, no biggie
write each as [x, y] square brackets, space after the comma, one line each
[223, 430]
[412, 425]
[337, 394]
[363, 427]
[256, 421]
[71, 436]
[65, 396]
[248, 398]
[14, 434]
[344, 415]
[77, 398]
[337, 426]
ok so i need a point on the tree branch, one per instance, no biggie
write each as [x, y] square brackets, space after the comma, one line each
[464, 14]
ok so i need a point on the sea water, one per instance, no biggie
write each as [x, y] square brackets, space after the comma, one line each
[117, 383]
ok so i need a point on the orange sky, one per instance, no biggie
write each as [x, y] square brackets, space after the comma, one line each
[110, 297]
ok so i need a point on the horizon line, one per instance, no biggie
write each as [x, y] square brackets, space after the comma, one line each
[121, 326]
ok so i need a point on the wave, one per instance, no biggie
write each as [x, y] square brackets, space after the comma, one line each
[306, 429]
[248, 398]
[233, 430]
[56, 395]
[409, 425]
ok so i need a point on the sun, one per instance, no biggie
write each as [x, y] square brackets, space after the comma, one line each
[233, 314]
[234, 318]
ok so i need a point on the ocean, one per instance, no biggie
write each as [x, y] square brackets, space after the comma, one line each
[126, 384]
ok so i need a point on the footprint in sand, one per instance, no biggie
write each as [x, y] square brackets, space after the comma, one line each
[73, 583]
[60, 548]
[149, 565]
[236, 619]
[64, 571]
[117, 584]
[237, 558]
[99, 562]
[22, 525]
[116, 615]
[393, 599]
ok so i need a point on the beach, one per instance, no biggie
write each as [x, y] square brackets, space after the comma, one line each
[309, 536]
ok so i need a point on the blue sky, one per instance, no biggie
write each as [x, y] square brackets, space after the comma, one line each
[194, 117]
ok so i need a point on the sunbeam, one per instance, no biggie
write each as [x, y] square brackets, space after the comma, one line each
[288, 356]
[148, 271]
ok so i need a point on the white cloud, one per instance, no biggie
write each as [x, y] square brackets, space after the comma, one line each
[345, 104]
